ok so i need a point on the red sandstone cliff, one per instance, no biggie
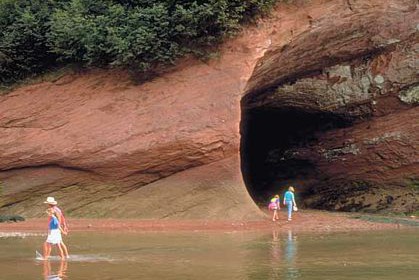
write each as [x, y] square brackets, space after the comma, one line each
[170, 148]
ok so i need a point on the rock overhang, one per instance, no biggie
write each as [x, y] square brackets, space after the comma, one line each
[127, 143]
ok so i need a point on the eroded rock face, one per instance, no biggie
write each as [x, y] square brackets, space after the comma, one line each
[363, 155]
[94, 137]
[170, 148]
[370, 166]
[336, 32]
[367, 86]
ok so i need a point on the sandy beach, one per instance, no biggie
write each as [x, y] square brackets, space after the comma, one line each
[303, 221]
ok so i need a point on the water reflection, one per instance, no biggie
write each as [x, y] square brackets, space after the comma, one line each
[283, 256]
[275, 247]
[207, 256]
[290, 256]
[275, 255]
[60, 273]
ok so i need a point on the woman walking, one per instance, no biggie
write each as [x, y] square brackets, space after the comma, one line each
[52, 204]
[54, 235]
[289, 201]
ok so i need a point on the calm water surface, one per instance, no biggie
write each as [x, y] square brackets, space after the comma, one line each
[234, 255]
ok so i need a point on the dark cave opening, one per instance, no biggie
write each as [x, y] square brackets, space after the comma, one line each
[268, 138]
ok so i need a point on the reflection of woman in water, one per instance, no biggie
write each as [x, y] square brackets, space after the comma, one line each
[290, 255]
[284, 262]
[290, 248]
[60, 273]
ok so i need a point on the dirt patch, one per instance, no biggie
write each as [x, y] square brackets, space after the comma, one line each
[303, 221]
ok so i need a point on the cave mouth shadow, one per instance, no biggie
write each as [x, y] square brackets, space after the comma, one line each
[268, 138]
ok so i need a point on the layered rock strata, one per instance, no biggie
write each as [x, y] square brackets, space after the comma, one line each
[170, 148]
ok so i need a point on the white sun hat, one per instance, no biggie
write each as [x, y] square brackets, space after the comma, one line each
[50, 200]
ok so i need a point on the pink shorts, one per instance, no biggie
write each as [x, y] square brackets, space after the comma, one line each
[273, 206]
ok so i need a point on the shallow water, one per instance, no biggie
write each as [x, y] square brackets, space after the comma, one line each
[235, 255]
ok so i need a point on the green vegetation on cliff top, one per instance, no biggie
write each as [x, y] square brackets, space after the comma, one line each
[37, 35]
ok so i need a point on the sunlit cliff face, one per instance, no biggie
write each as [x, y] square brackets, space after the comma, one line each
[325, 97]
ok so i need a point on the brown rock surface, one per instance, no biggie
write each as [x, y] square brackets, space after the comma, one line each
[374, 165]
[353, 89]
[330, 33]
[169, 148]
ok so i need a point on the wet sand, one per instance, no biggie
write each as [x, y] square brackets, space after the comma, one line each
[303, 221]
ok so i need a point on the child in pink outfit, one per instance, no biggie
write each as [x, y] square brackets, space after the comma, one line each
[274, 206]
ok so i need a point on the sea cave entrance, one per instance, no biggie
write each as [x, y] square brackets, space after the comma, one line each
[269, 137]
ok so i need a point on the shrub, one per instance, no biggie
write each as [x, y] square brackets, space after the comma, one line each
[11, 218]
[23, 38]
[139, 34]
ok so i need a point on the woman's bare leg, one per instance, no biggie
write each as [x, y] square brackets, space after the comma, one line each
[47, 250]
[65, 250]
[60, 251]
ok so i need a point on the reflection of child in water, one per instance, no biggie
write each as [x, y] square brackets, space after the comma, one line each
[274, 205]
[54, 235]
